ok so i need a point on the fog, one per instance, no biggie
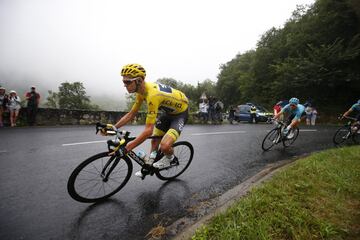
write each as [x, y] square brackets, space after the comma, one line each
[47, 42]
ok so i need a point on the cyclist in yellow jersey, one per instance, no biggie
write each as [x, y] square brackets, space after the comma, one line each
[174, 104]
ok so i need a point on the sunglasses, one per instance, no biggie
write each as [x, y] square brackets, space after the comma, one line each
[128, 82]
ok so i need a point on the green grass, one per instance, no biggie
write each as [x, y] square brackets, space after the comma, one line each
[315, 198]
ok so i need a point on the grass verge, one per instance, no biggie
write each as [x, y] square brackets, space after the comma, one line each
[315, 198]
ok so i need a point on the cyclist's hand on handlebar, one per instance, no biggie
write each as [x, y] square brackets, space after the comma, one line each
[105, 128]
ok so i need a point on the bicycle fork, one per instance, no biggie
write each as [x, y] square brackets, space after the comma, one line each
[105, 174]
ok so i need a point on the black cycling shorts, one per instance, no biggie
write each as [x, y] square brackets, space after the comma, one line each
[165, 122]
[292, 116]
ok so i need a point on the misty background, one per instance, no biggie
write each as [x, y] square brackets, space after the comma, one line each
[45, 43]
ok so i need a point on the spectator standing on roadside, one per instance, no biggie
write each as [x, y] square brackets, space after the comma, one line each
[313, 116]
[231, 117]
[14, 106]
[277, 109]
[218, 107]
[253, 114]
[203, 110]
[308, 111]
[33, 99]
[3, 103]
[211, 109]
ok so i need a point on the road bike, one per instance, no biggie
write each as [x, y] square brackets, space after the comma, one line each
[347, 132]
[104, 174]
[276, 136]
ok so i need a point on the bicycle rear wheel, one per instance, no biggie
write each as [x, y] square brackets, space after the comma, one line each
[99, 177]
[184, 153]
[341, 135]
[288, 141]
[270, 139]
[356, 137]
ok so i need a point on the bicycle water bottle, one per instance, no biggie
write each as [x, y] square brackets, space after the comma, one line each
[141, 154]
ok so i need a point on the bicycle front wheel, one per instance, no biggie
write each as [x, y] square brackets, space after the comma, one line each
[288, 141]
[341, 135]
[99, 177]
[184, 153]
[270, 139]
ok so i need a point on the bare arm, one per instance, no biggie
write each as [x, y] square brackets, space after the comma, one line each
[125, 119]
[141, 138]
[347, 112]
[277, 115]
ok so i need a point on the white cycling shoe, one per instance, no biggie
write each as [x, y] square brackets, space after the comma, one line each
[163, 163]
[148, 162]
[139, 174]
[291, 135]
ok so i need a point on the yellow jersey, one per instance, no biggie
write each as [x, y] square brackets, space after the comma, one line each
[159, 96]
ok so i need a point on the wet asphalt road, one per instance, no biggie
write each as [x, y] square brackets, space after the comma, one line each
[35, 164]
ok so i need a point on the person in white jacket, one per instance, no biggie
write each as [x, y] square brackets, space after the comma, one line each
[14, 105]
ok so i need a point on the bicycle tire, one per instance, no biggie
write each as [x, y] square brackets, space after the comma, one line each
[287, 142]
[184, 152]
[356, 137]
[340, 135]
[81, 189]
[271, 136]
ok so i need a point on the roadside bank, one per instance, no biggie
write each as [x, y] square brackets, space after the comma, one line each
[314, 198]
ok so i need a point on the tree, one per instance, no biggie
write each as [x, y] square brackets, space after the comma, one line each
[70, 96]
[52, 100]
[314, 56]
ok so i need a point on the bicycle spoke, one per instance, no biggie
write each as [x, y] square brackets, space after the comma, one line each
[341, 135]
[270, 139]
[184, 153]
[89, 181]
[89, 189]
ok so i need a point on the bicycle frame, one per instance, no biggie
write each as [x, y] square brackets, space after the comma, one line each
[349, 128]
[117, 148]
[279, 127]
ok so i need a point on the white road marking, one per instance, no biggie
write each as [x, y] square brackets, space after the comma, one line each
[3, 151]
[193, 134]
[81, 143]
[216, 133]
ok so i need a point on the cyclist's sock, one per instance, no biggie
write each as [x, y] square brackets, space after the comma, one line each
[170, 157]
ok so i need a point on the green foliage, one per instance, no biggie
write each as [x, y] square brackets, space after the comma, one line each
[314, 56]
[315, 198]
[70, 96]
[52, 101]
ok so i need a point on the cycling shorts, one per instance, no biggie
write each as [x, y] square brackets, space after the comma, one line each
[171, 124]
[292, 116]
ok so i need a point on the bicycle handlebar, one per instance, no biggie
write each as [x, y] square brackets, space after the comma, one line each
[122, 137]
[112, 131]
[272, 120]
[350, 118]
